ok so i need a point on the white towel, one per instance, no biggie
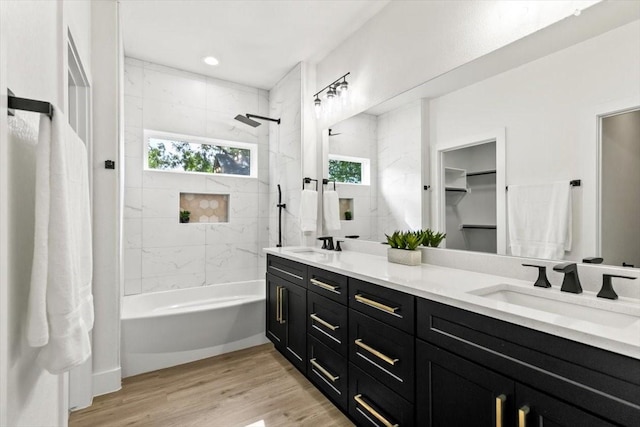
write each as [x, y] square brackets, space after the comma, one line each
[309, 210]
[331, 210]
[540, 220]
[60, 310]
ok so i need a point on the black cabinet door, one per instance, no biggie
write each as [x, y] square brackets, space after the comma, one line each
[451, 391]
[295, 320]
[327, 321]
[538, 409]
[275, 330]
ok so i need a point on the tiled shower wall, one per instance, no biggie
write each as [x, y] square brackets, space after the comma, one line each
[159, 252]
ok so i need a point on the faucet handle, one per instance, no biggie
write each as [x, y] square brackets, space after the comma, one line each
[338, 248]
[607, 288]
[324, 242]
[592, 260]
[566, 267]
[542, 281]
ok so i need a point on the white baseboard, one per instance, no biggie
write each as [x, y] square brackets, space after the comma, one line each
[107, 381]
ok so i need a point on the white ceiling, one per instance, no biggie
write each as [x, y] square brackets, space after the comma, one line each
[257, 42]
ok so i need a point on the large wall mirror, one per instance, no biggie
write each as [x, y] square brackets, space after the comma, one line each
[561, 105]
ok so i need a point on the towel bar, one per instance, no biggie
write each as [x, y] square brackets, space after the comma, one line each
[24, 104]
[573, 183]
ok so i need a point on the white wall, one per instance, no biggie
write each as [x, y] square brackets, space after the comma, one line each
[285, 157]
[399, 152]
[33, 41]
[547, 107]
[159, 252]
[106, 194]
[410, 42]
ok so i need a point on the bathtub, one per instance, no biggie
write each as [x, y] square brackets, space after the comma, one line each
[164, 329]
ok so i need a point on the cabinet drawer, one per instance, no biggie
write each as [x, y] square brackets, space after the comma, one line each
[383, 352]
[327, 321]
[292, 271]
[372, 404]
[328, 284]
[328, 371]
[392, 307]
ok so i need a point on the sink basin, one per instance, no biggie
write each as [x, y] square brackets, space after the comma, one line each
[311, 253]
[587, 308]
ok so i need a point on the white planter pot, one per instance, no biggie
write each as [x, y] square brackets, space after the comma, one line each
[402, 256]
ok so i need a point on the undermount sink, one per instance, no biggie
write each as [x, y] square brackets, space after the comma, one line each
[312, 253]
[588, 308]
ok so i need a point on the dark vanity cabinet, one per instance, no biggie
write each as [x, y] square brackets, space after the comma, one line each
[286, 309]
[388, 358]
[475, 368]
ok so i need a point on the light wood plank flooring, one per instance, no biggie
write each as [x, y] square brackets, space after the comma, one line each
[234, 389]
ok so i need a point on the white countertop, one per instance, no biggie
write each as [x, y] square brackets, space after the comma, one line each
[452, 286]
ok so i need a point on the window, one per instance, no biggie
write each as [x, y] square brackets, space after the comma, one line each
[182, 153]
[349, 170]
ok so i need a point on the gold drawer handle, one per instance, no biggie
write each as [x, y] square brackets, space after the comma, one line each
[500, 400]
[324, 285]
[278, 302]
[326, 373]
[365, 405]
[375, 304]
[522, 416]
[280, 297]
[323, 322]
[375, 352]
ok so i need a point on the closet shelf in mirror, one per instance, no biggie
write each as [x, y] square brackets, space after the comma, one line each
[487, 172]
[456, 189]
[477, 227]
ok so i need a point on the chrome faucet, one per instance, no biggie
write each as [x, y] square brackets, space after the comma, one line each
[571, 282]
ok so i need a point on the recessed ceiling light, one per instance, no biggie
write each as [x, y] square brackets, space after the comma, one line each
[210, 60]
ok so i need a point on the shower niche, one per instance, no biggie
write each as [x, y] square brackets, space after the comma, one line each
[205, 207]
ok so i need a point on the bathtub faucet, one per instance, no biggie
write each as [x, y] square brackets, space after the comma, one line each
[327, 242]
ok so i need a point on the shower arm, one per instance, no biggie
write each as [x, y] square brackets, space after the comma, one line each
[255, 116]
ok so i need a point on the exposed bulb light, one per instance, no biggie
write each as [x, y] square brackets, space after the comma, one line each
[337, 87]
[343, 87]
[331, 93]
[210, 60]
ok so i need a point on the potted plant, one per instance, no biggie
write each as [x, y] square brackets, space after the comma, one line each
[184, 216]
[404, 247]
[348, 216]
[430, 238]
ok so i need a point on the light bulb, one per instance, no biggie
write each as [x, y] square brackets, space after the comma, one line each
[210, 60]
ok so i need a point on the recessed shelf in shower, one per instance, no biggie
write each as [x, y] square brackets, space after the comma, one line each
[205, 207]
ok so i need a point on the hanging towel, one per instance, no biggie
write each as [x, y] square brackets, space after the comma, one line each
[308, 210]
[60, 308]
[331, 210]
[540, 220]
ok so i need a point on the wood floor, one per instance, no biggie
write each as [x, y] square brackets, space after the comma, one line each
[256, 385]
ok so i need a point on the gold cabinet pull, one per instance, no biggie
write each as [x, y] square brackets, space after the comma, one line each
[500, 400]
[375, 352]
[324, 285]
[522, 416]
[326, 373]
[323, 322]
[369, 409]
[278, 303]
[280, 297]
[375, 304]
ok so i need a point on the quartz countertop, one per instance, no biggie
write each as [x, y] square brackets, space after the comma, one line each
[456, 287]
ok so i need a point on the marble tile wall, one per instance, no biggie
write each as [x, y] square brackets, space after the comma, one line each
[159, 252]
[399, 169]
[285, 155]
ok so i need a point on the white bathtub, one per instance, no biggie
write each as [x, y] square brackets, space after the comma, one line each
[163, 329]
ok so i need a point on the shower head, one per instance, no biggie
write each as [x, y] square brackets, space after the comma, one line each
[246, 119]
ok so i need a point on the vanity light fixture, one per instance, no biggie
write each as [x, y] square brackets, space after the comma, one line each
[210, 60]
[338, 87]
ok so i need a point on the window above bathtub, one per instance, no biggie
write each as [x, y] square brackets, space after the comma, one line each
[172, 152]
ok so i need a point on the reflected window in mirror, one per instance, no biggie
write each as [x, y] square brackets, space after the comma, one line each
[349, 170]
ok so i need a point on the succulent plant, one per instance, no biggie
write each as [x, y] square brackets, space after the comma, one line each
[408, 240]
